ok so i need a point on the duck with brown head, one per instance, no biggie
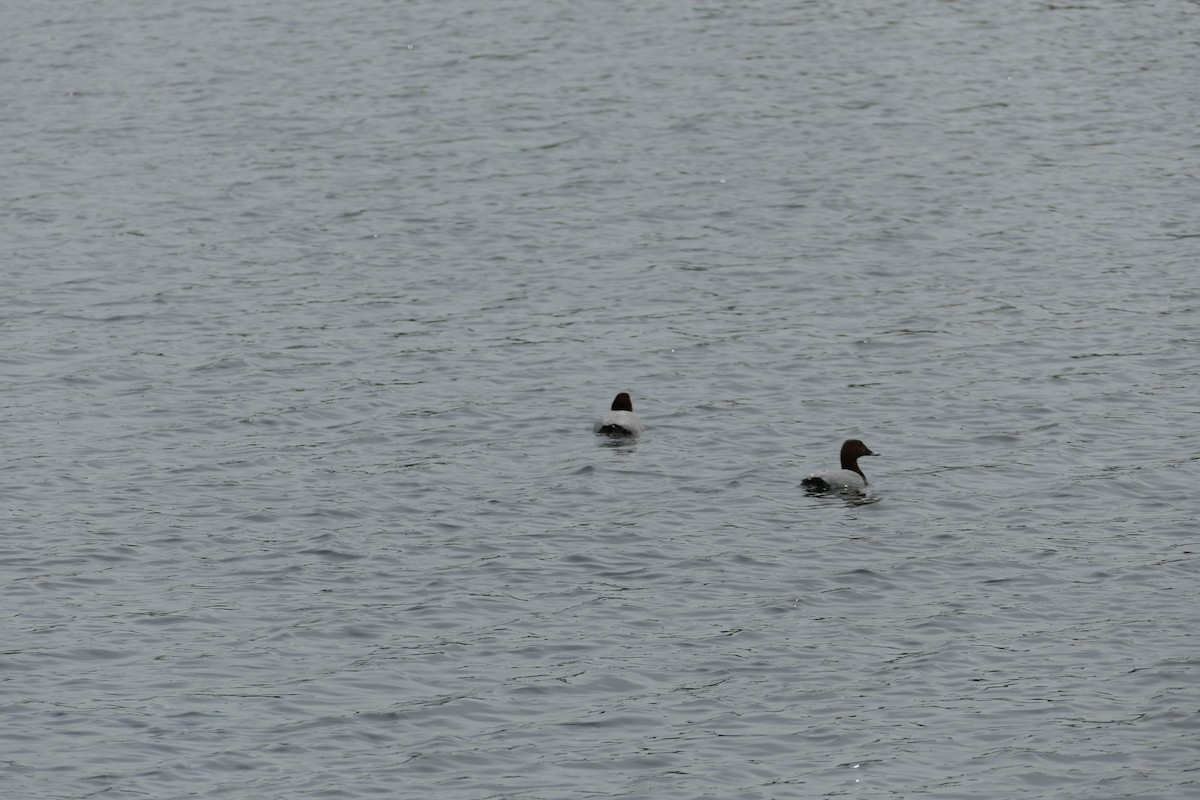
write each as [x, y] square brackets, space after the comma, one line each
[849, 478]
[620, 419]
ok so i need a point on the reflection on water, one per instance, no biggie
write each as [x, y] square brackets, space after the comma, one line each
[851, 497]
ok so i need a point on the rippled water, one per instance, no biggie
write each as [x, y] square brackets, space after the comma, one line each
[311, 307]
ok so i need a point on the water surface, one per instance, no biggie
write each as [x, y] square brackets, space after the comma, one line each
[311, 307]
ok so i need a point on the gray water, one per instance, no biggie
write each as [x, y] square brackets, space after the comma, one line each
[311, 306]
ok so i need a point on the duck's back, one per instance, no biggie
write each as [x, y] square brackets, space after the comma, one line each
[834, 480]
[619, 423]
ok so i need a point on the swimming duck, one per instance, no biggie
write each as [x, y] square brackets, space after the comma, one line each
[848, 478]
[620, 420]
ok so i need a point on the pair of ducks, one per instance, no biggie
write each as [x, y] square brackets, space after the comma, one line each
[621, 421]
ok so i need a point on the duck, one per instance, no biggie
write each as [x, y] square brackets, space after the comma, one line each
[620, 420]
[848, 478]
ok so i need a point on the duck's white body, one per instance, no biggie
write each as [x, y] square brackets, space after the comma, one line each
[619, 423]
[835, 480]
